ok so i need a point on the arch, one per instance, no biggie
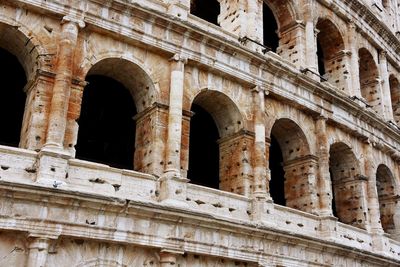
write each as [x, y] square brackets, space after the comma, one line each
[387, 197]
[330, 44]
[220, 122]
[395, 97]
[118, 89]
[205, 9]
[292, 180]
[347, 189]
[20, 59]
[285, 12]
[270, 28]
[369, 83]
[223, 110]
[22, 43]
[139, 85]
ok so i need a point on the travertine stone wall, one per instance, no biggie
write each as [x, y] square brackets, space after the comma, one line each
[340, 139]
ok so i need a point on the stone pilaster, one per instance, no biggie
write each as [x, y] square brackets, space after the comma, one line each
[168, 258]
[62, 84]
[259, 159]
[33, 132]
[38, 251]
[385, 92]
[310, 39]
[354, 66]
[292, 45]
[324, 178]
[172, 184]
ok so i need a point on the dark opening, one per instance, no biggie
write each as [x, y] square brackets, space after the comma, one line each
[277, 183]
[334, 212]
[271, 38]
[106, 126]
[205, 9]
[203, 149]
[321, 60]
[12, 100]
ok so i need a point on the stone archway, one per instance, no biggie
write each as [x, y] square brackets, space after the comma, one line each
[369, 81]
[21, 101]
[222, 131]
[116, 101]
[395, 97]
[332, 60]
[296, 178]
[387, 198]
[349, 186]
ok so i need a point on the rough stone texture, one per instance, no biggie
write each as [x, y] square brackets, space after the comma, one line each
[340, 138]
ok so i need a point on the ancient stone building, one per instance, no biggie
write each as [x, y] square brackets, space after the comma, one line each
[199, 133]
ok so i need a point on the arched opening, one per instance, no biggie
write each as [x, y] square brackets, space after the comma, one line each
[369, 83]
[387, 197]
[204, 150]
[395, 97]
[347, 186]
[108, 133]
[12, 101]
[106, 125]
[205, 9]
[329, 45]
[277, 183]
[216, 143]
[270, 29]
[292, 167]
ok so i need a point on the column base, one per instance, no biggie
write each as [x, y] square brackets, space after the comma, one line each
[52, 166]
[173, 190]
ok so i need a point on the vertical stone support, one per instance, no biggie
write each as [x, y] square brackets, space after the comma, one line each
[151, 130]
[301, 184]
[292, 45]
[354, 66]
[179, 8]
[311, 39]
[385, 92]
[34, 125]
[61, 89]
[259, 159]
[324, 178]
[172, 185]
[174, 136]
[338, 68]
[38, 251]
[372, 193]
[378, 239]
[74, 111]
[262, 204]
[235, 172]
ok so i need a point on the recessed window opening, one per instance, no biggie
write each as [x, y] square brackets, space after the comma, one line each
[203, 149]
[106, 126]
[321, 60]
[13, 80]
[270, 28]
[205, 9]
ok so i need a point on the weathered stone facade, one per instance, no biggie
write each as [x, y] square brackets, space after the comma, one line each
[306, 140]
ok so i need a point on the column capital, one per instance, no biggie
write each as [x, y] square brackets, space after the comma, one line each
[179, 58]
[70, 19]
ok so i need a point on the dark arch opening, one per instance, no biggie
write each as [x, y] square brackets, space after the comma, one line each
[270, 28]
[12, 101]
[204, 149]
[106, 126]
[206, 9]
[277, 183]
[321, 59]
